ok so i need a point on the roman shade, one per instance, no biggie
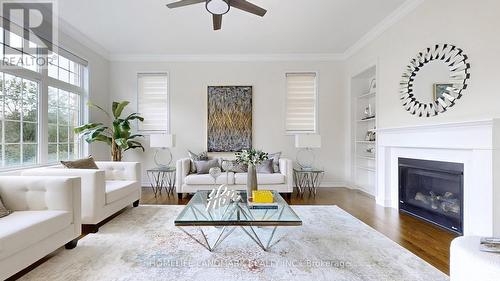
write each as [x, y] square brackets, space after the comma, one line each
[301, 102]
[153, 102]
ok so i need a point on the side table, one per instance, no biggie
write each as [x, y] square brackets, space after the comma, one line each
[162, 178]
[308, 179]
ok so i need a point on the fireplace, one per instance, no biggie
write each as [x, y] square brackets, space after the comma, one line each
[432, 191]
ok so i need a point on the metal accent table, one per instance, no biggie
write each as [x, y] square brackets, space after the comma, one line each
[162, 178]
[259, 224]
[308, 179]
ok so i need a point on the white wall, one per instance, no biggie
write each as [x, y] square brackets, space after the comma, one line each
[98, 68]
[188, 89]
[470, 25]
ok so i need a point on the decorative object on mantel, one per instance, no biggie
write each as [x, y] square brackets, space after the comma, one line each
[368, 113]
[164, 142]
[305, 155]
[370, 135]
[251, 158]
[118, 136]
[450, 91]
[229, 127]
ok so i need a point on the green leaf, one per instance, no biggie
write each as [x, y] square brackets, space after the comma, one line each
[87, 127]
[91, 104]
[134, 116]
[134, 144]
[121, 142]
[118, 108]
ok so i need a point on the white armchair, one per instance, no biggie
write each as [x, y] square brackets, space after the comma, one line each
[105, 191]
[188, 183]
[46, 216]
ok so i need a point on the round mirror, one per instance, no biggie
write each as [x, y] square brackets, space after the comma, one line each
[434, 80]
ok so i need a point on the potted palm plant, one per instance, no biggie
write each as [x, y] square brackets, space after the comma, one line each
[118, 136]
[251, 158]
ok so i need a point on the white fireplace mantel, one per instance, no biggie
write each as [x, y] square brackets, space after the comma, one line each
[475, 144]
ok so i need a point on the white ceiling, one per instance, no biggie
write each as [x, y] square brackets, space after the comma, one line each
[148, 27]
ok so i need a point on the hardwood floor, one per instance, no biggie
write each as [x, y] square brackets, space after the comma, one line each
[425, 240]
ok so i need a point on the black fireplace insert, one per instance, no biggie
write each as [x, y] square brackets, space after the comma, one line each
[432, 191]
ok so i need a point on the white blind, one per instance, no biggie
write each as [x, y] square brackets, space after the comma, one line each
[153, 102]
[301, 102]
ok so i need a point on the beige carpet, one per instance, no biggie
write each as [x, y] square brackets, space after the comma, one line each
[143, 244]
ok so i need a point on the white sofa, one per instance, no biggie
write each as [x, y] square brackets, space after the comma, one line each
[46, 216]
[104, 192]
[190, 183]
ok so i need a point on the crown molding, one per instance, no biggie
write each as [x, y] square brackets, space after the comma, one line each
[407, 7]
[225, 58]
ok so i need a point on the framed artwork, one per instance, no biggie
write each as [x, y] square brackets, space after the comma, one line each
[439, 89]
[229, 126]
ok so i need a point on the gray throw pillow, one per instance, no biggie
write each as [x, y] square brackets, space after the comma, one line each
[85, 163]
[3, 210]
[276, 161]
[196, 157]
[266, 167]
[203, 166]
[234, 166]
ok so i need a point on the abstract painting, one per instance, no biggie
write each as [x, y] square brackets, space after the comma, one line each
[229, 118]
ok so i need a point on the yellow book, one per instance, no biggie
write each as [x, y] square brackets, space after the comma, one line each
[262, 196]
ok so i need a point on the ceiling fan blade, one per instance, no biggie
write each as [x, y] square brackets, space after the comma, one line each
[248, 7]
[183, 3]
[217, 19]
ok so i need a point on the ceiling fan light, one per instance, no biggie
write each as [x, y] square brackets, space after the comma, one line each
[217, 7]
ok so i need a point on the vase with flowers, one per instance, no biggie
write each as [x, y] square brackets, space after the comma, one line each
[251, 158]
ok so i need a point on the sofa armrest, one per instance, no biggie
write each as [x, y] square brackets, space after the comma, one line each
[130, 171]
[286, 168]
[183, 167]
[35, 193]
[93, 187]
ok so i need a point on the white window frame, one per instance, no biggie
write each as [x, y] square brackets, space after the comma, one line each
[316, 104]
[44, 82]
[169, 120]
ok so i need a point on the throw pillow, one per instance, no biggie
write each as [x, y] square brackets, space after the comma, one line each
[85, 163]
[276, 161]
[196, 157]
[234, 166]
[3, 210]
[266, 167]
[203, 166]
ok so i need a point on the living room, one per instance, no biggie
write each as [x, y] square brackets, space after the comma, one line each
[258, 140]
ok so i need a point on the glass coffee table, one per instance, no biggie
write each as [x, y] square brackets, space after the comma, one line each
[259, 224]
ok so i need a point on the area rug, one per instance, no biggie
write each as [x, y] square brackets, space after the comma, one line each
[143, 244]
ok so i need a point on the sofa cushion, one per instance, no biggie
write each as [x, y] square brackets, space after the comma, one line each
[85, 163]
[195, 179]
[203, 166]
[23, 229]
[196, 157]
[3, 210]
[266, 167]
[276, 178]
[116, 190]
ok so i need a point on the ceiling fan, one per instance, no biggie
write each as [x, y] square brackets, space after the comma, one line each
[220, 7]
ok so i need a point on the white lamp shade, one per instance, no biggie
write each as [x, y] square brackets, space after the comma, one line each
[307, 141]
[161, 140]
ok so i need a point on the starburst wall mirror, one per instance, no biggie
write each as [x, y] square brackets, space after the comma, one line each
[434, 80]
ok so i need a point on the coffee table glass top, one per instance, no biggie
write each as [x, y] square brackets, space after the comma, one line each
[236, 213]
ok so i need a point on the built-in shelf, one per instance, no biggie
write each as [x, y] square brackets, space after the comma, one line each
[366, 168]
[366, 157]
[367, 95]
[363, 97]
[367, 120]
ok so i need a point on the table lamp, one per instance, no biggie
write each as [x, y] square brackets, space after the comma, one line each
[164, 142]
[305, 155]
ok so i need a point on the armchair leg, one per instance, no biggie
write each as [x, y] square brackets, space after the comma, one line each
[136, 204]
[71, 244]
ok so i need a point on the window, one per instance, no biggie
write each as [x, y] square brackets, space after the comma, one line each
[301, 103]
[64, 116]
[39, 108]
[152, 101]
[19, 121]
